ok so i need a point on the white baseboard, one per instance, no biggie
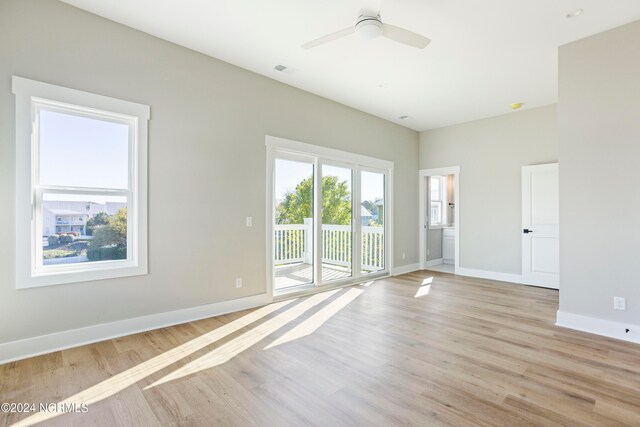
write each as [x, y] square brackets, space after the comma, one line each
[596, 326]
[491, 275]
[433, 262]
[402, 269]
[29, 347]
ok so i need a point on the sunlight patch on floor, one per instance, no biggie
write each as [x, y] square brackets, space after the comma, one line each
[125, 379]
[314, 322]
[227, 351]
[424, 289]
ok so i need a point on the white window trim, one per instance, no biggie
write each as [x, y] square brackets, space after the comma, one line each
[30, 95]
[318, 155]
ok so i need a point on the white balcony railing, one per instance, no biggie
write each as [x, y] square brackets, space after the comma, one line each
[292, 244]
[372, 248]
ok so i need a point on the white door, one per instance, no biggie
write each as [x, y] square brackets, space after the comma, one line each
[540, 226]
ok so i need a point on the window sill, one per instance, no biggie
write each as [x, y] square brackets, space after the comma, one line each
[37, 280]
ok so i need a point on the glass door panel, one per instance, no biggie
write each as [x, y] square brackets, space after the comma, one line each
[293, 251]
[372, 196]
[337, 224]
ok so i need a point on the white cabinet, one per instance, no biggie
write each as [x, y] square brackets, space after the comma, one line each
[449, 245]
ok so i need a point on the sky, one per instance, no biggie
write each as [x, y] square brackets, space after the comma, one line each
[289, 174]
[82, 152]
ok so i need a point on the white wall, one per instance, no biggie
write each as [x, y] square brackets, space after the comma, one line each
[599, 131]
[491, 153]
[206, 163]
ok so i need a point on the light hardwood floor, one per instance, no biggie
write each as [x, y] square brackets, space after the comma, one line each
[457, 351]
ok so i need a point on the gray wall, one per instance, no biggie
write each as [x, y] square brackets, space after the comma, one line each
[206, 147]
[599, 131]
[491, 153]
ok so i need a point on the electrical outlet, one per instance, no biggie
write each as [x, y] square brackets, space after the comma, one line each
[428, 252]
[619, 303]
[404, 255]
[239, 282]
[249, 221]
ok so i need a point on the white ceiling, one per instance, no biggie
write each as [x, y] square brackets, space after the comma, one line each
[484, 55]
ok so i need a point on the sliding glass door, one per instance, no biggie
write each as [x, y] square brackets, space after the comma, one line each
[337, 223]
[330, 219]
[372, 219]
[293, 230]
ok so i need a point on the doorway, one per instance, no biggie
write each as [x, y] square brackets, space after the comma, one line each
[439, 219]
[540, 226]
[293, 247]
[329, 217]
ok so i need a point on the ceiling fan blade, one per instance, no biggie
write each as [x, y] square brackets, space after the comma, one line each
[329, 38]
[403, 36]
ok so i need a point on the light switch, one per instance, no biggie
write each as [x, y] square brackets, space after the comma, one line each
[619, 303]
[249, 221]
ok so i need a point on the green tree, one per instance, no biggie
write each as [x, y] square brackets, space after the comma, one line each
[114, 232]
[298, 203]
[102, 218]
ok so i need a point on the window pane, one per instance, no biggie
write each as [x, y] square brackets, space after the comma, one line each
[372, 219]
[293, 228]
[83, 228]
[436, 213]
[337, 247]
[83, 152]
[435, 185]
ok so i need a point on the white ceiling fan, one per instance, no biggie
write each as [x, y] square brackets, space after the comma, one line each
[369, 26]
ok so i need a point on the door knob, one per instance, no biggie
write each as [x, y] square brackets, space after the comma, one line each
[527, 231]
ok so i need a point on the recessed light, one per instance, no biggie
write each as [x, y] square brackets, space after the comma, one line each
[284, 69]
[574, 13]
[516, 105]
[404, 117]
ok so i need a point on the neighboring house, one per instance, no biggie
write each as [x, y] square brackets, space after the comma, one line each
[67, 216]
[63, 221]
[365, 215]
[380, 204]
[376, 214]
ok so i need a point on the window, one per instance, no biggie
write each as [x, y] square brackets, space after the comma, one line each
[438, 198]
[81, 172]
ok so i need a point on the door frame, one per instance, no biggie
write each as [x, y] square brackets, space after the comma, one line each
[279, 147]
[319, 243]
[423, 213]
[293, 157]
[549, 281]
